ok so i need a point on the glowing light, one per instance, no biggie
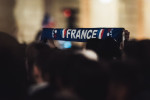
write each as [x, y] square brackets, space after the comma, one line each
[64, 44]
[67, 13]
[105, 1]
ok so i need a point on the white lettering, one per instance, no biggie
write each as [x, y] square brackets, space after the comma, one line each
[88, 34]
[94, 34]
[83, 35]
[78, 34]
[73, 33]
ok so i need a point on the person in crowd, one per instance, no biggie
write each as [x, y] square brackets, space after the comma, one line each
[13, 74]
[74, 76]
[85, 77]
[37, 56]
[47, 93]
[107, 49]
[139, 51]
[50, 43]
[95, 73]
[125, 80]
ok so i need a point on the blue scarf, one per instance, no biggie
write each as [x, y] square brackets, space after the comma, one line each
[82, 34]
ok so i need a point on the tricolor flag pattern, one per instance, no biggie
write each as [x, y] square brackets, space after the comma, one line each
[82, 34]
[101, 34]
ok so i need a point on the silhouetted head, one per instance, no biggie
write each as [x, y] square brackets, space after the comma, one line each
[125, 80]
[37, 56]
[107, 49]
[82, 76]
[12, 69]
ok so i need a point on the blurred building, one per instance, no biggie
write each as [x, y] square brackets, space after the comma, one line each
[130, 14]
[23, 18]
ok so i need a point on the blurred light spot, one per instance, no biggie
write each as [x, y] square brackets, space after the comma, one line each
[67, 45]
[67, 13]
[64, 44]
[89, 54]
[105, 1]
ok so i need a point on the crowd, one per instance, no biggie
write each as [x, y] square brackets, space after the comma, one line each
[102, 70]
